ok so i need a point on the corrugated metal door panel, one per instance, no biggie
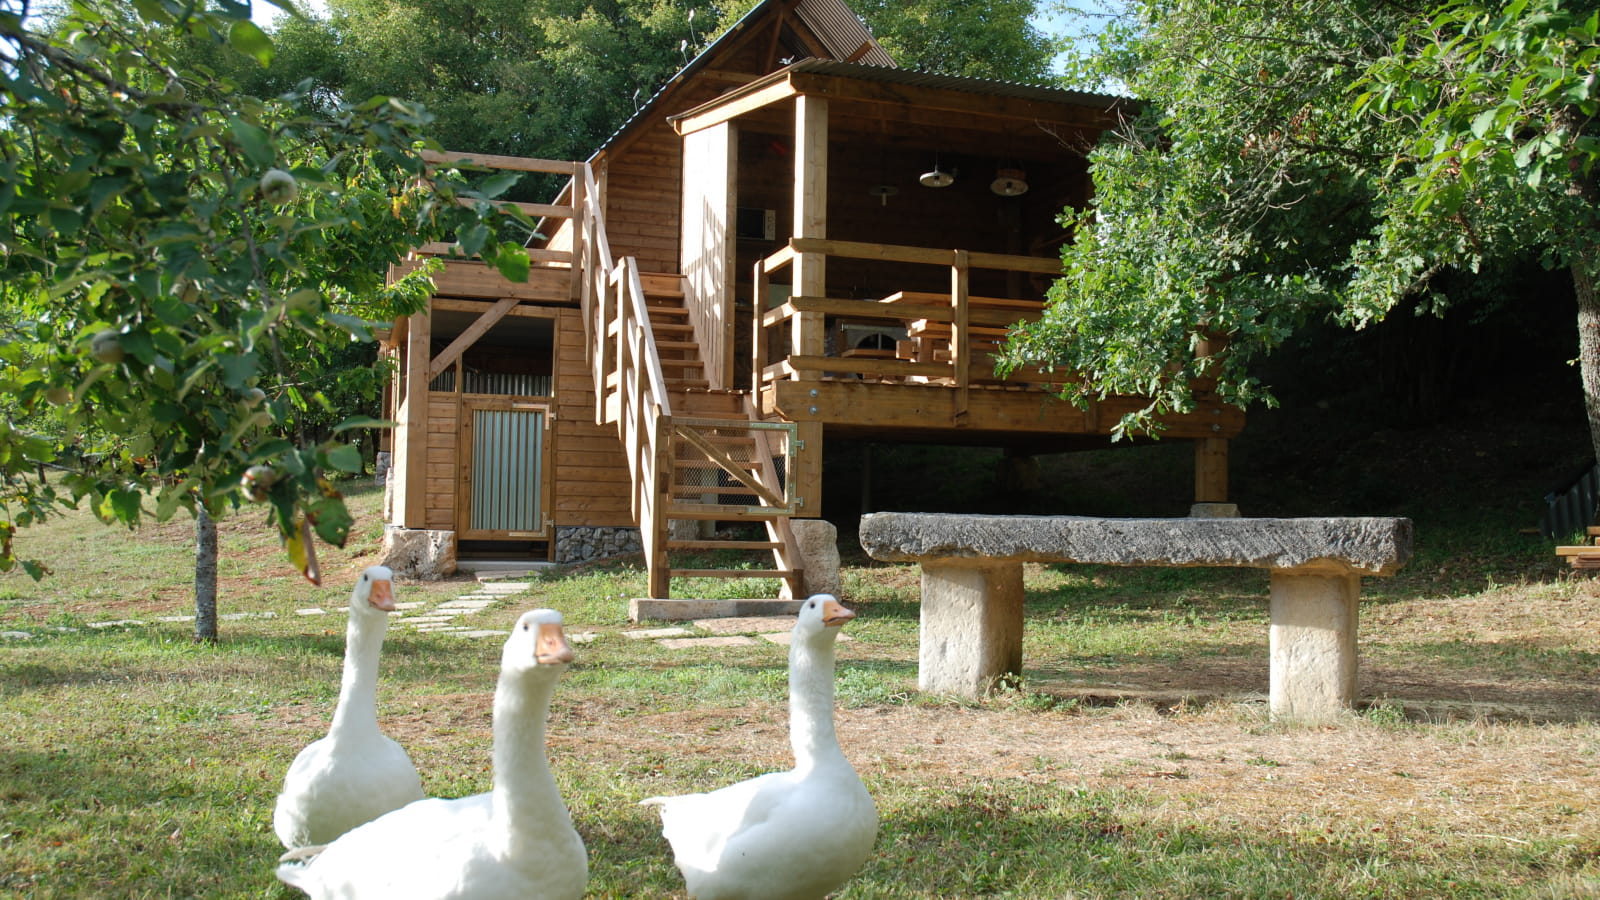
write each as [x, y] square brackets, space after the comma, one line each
[507, 452]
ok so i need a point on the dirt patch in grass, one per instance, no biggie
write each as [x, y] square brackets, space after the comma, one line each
[1223, 763]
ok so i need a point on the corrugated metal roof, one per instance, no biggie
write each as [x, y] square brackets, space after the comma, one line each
[842, 32]
[839, 29]
[985, 86]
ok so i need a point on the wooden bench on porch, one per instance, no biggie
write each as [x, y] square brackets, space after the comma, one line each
[971, 633]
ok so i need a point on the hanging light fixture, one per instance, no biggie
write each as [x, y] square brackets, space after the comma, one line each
[938, 176]
[1009, 182]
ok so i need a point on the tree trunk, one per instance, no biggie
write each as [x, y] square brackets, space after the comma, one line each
[205, 576]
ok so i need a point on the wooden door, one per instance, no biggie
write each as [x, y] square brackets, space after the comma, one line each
[505, 488]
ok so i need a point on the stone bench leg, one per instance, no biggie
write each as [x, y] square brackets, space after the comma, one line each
[1313, 645]
[971, 626]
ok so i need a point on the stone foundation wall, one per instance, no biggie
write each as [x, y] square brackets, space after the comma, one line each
[584, 543]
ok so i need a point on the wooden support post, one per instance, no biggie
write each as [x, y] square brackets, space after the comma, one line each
[960, 335]
[758, 331]
[1211, 470]
[413, 511]
[576, 226]
[810, 221]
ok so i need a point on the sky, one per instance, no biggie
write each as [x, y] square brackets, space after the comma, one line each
[262, 12]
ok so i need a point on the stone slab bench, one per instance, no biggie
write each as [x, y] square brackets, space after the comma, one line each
[971, 632]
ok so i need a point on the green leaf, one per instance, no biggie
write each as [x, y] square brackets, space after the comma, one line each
[346, 458]
[254, 140]
[1484, 122]
[238, 368]
[250, 40]
[331, 520]
[511, 260]
[362, 422]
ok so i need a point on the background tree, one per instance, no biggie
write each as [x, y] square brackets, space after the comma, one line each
[164, 237]
[1304, 160]
[988, 39]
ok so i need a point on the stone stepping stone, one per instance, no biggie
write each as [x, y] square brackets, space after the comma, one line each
[746, 624]
[786, 637]
[317, 611]
[240, 616]
[16, 635]
[652, 633]
[482, 633]
[486, 598]
[432, 616]
[726, 640]
[175, 619]
[409, 604]
[504, 587]
[457, 611]
[583, 637]
[469, 603]
[119, 623]
[442, 629]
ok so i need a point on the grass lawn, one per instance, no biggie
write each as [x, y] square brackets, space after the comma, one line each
[1134, 760]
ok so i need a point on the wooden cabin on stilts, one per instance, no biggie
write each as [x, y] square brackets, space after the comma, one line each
[793, 242]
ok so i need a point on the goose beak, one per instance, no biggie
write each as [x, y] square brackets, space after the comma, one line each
[382, 595]
[551, 647]
[834, 615]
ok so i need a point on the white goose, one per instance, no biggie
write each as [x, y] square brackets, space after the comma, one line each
[516, 841]
[355, 774]
[787, 835]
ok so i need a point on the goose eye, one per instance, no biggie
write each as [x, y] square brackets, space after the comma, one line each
[525, 626]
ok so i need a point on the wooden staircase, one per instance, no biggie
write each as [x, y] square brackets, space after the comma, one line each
[678, 351]
[722, 469]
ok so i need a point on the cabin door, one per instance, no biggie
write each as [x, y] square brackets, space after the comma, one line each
[505, 485]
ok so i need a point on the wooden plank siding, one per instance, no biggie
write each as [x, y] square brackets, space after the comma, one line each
[590, 475]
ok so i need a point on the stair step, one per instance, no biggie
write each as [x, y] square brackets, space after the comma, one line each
[679, 384]
[682, 364]
[724, 545]
[670, 328]
[676, 345]
[732, 573]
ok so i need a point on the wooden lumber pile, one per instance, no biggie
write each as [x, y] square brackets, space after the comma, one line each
[1583, 556]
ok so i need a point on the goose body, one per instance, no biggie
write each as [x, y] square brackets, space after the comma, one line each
[356, 773]
[794, 835]
[516, 841]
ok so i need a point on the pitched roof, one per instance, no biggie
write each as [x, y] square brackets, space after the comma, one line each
[839, 29]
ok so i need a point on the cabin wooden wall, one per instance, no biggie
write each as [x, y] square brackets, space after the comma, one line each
[710, 160]
[589, 476]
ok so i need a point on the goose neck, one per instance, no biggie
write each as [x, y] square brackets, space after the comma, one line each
[525, 795]
[358, 688]
[811, 732]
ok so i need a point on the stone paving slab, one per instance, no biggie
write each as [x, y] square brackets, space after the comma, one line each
[747, 624]
[653, 633]
[410, 604]
[119, 623]
[728, 640]
[240, 616]
[16, 635]
[458, 610]
[504, 587]
[174, 619]
[785, 638]
[441, 629]
[582, 637]
[319, 611]
[470, 603]
[482, 633]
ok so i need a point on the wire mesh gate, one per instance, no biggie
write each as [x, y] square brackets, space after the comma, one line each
[731, 467]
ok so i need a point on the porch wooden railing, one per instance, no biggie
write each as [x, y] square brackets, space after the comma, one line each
[630, 388]
[959, 317]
